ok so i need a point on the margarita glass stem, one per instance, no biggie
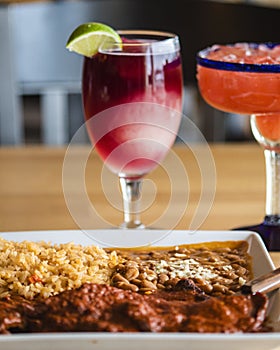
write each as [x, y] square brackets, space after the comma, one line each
[131, 193]
[272, 210]
[272, 165]
[269, 229]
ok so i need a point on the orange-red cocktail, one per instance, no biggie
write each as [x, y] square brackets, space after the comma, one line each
[244, 78]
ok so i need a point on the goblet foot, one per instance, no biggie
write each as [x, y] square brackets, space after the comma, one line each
[269, 230]
[134, 225]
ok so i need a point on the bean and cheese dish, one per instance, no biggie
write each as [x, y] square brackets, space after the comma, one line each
[215, 267]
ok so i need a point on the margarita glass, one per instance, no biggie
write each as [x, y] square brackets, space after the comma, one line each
[244, 78]
[132, 98]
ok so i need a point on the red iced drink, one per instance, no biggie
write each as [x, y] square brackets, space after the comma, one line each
[132, 100]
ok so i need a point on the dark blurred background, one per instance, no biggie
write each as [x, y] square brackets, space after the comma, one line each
[40, 79]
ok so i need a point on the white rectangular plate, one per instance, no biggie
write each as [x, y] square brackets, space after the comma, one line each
[162, 341]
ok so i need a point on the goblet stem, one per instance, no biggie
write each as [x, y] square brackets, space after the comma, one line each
[131, 192]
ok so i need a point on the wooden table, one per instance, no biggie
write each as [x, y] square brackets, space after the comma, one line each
[32, 196]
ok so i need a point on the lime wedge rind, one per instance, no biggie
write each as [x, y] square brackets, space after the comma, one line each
[87, 38]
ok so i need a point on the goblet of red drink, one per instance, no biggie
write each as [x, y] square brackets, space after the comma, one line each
[244, 78]
[132, 98]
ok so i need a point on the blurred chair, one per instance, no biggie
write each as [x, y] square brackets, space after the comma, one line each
[34, 61]
[42, 64]
[33, 58]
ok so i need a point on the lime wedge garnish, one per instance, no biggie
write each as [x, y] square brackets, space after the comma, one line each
[87, 38]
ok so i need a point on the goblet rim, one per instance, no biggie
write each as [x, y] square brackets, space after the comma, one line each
[148, 32]
[154, 41]
[202, 60]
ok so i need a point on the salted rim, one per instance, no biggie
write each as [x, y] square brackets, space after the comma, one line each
[202, 60]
